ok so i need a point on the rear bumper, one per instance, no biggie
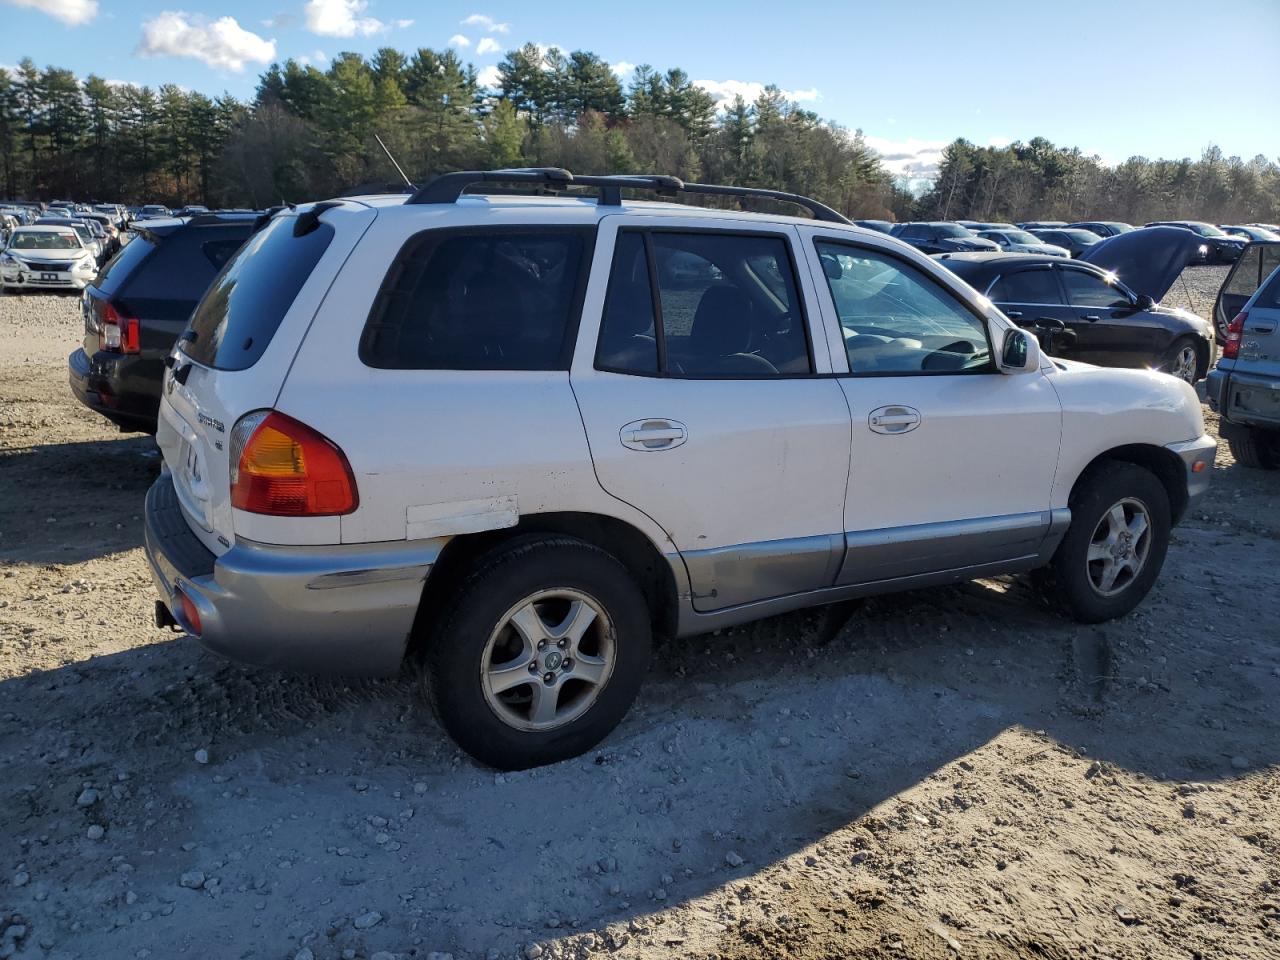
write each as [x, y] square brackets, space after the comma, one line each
[1244, 399]
[115, 397]
[1197, 456]
[339, 610]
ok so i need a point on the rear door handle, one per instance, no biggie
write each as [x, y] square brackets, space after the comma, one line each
[1013, 314]
[655, 434]
[1092, 317]
[893, 419]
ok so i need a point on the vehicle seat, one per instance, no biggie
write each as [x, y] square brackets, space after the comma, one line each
[626, 342]
[721, 335]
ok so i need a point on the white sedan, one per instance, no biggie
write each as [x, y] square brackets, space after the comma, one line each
[47, 257]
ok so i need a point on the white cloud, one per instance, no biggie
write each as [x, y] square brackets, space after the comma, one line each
[222, 43]
[458, 40]
[486, 23]
[488, 77]
[341, 18]
[622, 67]
[911, 158]
[279, 20]
[487, 45]
[318, 57]
[725, 90]
[401, 24]
[71, 12]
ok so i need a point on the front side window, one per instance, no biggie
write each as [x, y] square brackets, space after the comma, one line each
[728, 306]
[1027, 286]
[493, 299]
[1088, 290]
[897, 320]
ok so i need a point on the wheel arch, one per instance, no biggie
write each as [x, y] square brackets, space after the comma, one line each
[630, 546]
[1166, 465]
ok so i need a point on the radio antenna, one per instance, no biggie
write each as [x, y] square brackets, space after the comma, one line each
[408, 183]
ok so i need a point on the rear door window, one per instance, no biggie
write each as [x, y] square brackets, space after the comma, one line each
[1027, 286]
[491, 299]
[242, 310]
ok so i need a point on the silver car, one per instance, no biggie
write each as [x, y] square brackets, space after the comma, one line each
[1245, 386]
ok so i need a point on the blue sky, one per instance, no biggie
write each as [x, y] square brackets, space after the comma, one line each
[1115, 78]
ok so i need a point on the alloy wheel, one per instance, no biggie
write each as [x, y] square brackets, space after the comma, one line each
[548, 659]
[1184, 364]
[1119, 547]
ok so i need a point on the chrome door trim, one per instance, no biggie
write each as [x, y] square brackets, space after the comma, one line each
[746, 572]
[1017, 548]
[891, 552]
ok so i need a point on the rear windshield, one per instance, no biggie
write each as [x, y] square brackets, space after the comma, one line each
[242, 310]
[498, 299]
[118, 268]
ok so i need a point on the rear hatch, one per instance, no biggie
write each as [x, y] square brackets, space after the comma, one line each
[233, 357]
[158, 279]
[1254, 265]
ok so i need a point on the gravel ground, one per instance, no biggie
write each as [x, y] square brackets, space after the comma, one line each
[937, 774]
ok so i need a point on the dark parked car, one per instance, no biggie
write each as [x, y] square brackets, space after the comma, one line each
[1103, 228]
[138, 305]
[1105, 310]
[1218, 247]
[940, 237]
[881, 226]
[152, 211]
[1249, 233]
[1247, 274]
[977, 226]
[1040, 224]
[1073, 241]
[191, 210]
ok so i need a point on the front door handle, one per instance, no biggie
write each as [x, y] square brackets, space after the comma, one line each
[1092, 317]
[654, 434]
[1013, 314]
[893, 419]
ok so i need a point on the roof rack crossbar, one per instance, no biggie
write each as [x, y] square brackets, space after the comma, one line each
[448, 187]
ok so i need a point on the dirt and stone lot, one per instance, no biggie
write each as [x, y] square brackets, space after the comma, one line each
[953, 773]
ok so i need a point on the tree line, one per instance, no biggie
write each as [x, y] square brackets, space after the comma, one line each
[309, 133]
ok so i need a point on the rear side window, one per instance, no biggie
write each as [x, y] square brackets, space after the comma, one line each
[1027, 286]
[491, 299]
[242, 310]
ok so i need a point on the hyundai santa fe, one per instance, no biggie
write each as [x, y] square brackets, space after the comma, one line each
[516, 440]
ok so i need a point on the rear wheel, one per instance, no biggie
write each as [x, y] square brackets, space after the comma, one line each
[542, 655]
[1255, 448]
[1182, 360]
[1115, 546]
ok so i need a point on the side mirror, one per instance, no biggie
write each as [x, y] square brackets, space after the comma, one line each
[1143, 302]
[1019, 353]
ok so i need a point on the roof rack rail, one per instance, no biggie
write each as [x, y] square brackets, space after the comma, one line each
[448, 187]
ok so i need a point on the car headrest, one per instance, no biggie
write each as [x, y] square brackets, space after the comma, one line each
[722, 323]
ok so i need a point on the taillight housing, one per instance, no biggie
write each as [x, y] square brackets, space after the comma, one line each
[120, 332]
[283, 468]
[1235, 333]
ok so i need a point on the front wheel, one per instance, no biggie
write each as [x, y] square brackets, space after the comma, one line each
[1115, 546]
[1182, 360]
[542, 655]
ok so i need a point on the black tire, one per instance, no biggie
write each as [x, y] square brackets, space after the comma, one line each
[1172, 361]
[456, 654]
[1068, 581]
[1255, 448]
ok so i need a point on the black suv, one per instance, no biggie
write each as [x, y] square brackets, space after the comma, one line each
[138, 305]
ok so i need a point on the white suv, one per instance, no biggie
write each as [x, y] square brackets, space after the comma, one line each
[516, 438]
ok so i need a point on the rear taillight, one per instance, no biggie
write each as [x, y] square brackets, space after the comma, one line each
[284, 468]
[190, 615]
[120, 332]
[1235, 331]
